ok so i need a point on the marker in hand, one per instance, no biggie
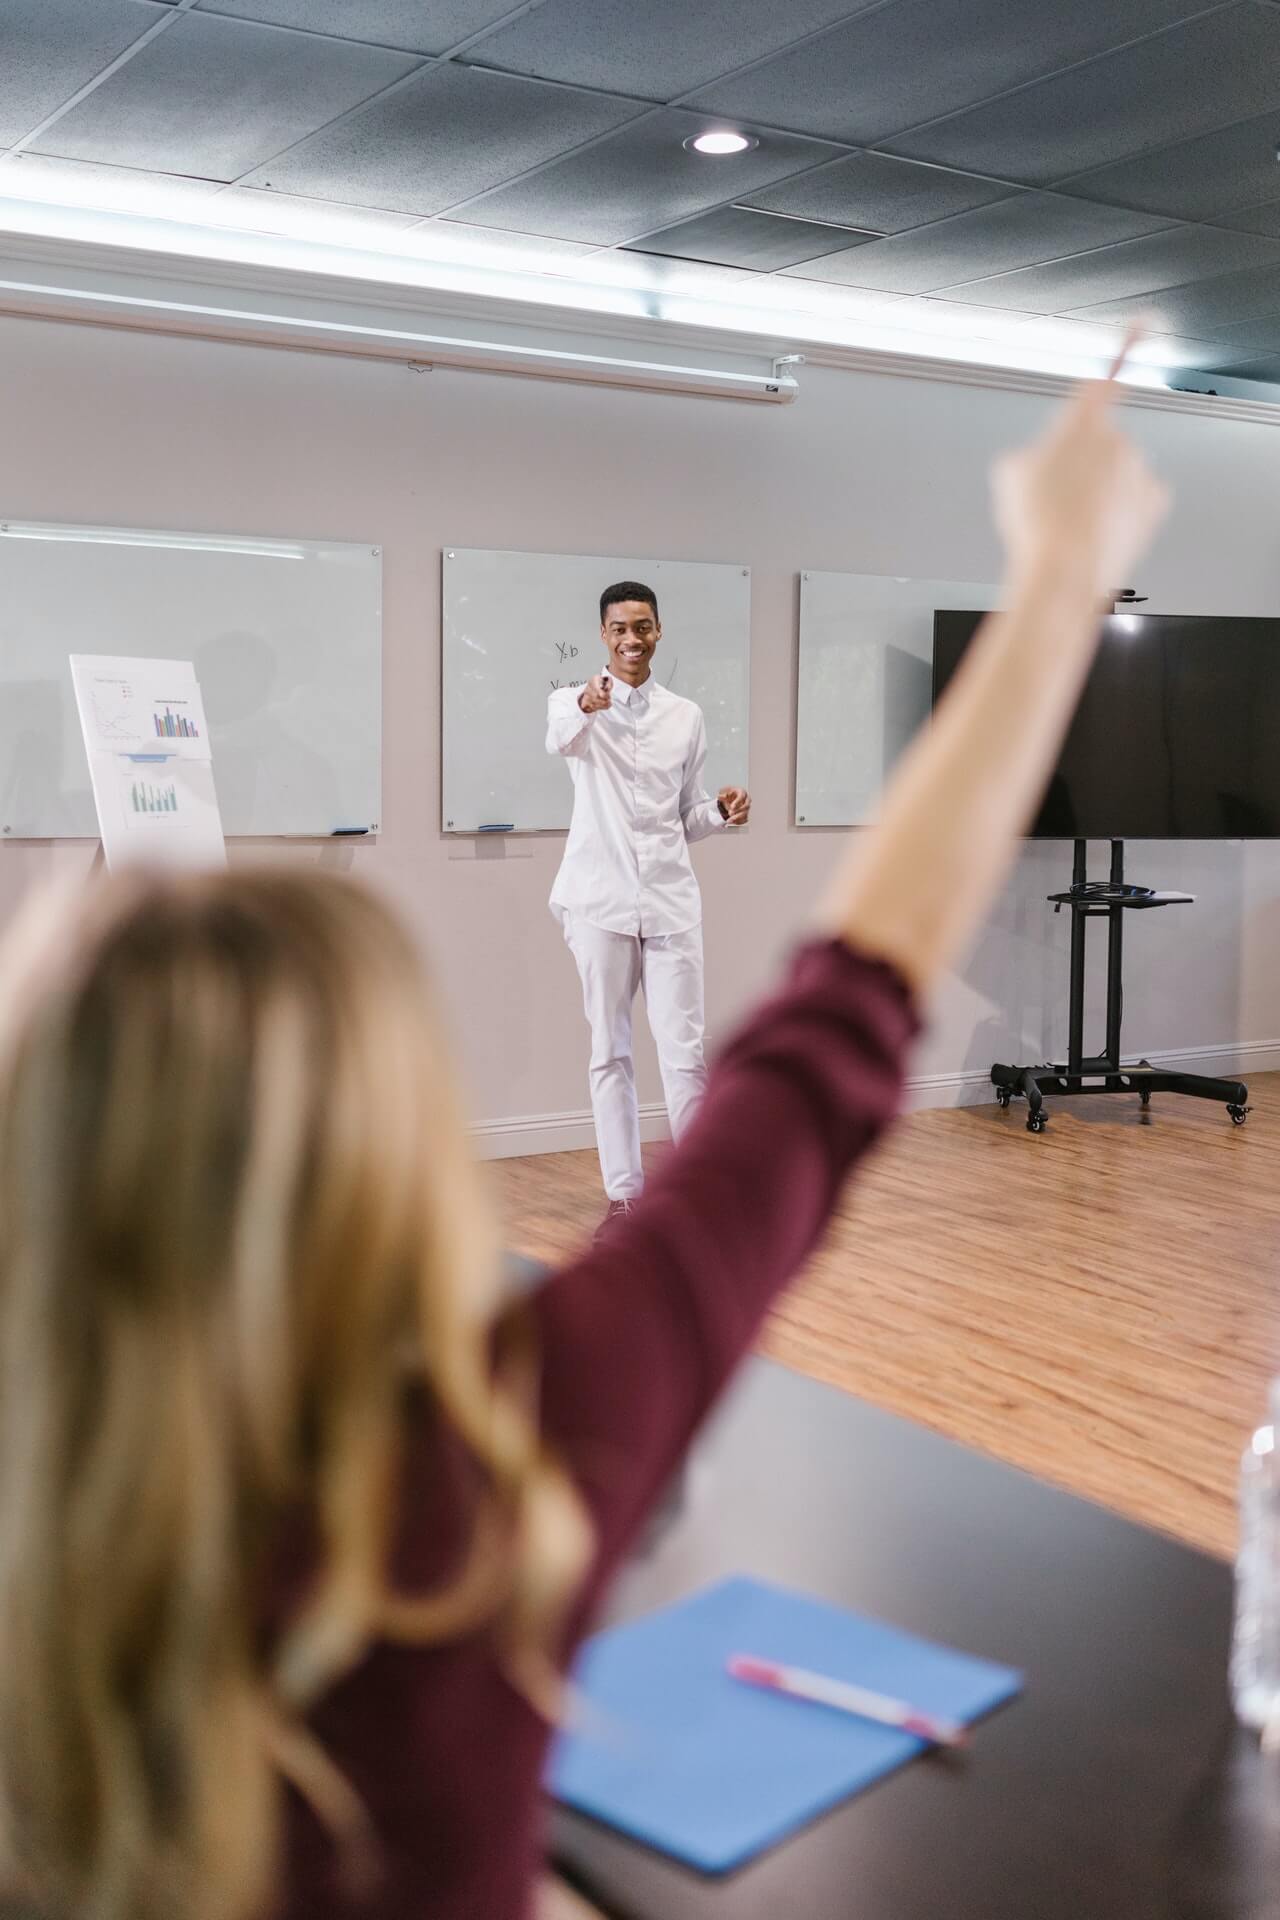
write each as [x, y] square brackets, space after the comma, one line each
[597, 694]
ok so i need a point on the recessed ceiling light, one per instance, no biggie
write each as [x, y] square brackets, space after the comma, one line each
[721, 140]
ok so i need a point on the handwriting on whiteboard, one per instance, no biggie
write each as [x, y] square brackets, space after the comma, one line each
[670, 681]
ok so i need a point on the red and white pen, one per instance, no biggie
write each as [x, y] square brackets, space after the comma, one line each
[826, 1692]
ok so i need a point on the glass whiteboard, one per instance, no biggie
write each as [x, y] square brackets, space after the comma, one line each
[865, 684]
[518, 625]
[286, 639]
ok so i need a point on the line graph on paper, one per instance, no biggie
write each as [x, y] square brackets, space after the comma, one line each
[115, 710]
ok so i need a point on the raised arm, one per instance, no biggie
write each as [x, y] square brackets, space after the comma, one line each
[640, 1335]
[568, 727]
[1074, 510]
[571, 713]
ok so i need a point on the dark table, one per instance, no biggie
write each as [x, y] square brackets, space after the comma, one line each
[1114, 1788]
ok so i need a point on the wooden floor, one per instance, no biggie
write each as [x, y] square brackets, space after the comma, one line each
[1099, 1304]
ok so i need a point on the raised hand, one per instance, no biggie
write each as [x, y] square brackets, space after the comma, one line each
[1080, 496]
[1075, 510]
[597, 695]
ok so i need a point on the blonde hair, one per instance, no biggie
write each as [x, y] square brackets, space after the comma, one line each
[238, 1222]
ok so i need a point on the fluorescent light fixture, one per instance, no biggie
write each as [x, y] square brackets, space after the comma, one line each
[632, 286]
[95, 187]
[128, 537]
[1129, 622]
[718, 140]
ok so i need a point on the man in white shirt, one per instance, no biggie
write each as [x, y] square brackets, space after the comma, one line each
[625, 894]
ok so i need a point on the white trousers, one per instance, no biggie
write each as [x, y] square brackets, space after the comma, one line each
[613, 967]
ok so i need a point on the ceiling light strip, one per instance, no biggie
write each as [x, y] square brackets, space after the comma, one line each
[776, 387]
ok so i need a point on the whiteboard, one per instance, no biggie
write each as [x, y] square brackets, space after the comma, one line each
[286, 639]
[517, 625]
[865, 684]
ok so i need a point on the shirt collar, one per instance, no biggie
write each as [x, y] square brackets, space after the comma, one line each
[623, 691]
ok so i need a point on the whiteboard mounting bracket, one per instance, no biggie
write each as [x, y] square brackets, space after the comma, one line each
[783, 377]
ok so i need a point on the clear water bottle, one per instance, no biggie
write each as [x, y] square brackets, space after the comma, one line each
[1255, 1646]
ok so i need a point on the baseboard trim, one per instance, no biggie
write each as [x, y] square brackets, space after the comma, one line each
[970, 1087]
[555, 1132]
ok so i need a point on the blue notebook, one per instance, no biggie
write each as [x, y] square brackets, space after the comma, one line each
[672, 1751]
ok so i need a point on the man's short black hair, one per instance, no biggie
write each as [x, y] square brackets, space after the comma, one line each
[628, 590]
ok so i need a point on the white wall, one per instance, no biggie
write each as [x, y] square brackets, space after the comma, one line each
[865, 472]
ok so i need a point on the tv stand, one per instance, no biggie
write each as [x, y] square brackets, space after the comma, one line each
[1105, 1072]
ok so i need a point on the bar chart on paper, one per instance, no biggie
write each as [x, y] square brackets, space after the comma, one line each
[146, 796]
[149, 760]
[174, 726]
[132, 711]
[160, 806]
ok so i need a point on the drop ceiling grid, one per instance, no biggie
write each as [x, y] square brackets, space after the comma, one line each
[541, 119]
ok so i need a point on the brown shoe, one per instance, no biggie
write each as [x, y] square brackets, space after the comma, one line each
[618, 1210]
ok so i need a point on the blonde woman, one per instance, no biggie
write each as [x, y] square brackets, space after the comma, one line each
[295, 1536]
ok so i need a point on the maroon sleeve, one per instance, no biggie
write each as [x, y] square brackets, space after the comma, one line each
[639, 1336]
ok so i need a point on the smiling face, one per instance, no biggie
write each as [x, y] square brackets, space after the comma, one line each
[630, 632]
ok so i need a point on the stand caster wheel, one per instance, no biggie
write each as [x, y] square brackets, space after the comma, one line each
[1037, 1122]
[1004, 1096]
[1237, 1115]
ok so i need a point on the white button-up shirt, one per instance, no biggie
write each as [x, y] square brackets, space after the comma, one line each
[638, 800]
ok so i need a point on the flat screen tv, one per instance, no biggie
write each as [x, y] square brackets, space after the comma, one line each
[1177, 735]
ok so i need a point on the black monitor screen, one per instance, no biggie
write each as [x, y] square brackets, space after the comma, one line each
[1177, 735]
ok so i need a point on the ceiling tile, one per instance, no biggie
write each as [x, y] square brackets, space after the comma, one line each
[1206, 74]
[917, 59]
[662, 273]
[214, 97]
[1102, 339]
[1113, 273]
[1207, 356]
[659, 48]
[1267, 369]
[88, 183]
[1197, 307]
[449, 133]
[640, 179]
[1264, 219]
[1195, 179]
[257, 211]
[737, 237]
[872, 190]
[1261, 334]
[924, 313]
[1017, 232]
[52, 48]
[418, 26]
[783, 293]
[455, 242]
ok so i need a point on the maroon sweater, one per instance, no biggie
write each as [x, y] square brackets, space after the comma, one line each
[637, 1338]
